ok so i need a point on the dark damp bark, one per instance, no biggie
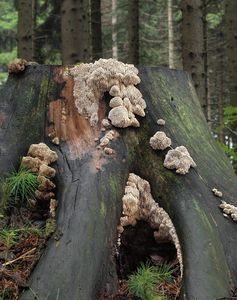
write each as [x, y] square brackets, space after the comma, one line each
[89, 187]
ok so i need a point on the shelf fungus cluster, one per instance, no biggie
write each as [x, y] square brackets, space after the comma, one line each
[38, 159]
[138, 205]
[92, 80]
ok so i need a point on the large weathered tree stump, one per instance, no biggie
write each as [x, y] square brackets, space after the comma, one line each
[90, 187]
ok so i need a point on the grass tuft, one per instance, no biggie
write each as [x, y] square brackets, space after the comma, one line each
[18, 186]
[144, 282]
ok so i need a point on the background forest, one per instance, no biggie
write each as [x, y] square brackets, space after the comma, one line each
[198, 36]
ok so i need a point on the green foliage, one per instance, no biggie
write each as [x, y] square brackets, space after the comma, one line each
[3, 77]
[18, 187]
[230, 114]
[230, 152]
[6, 57]
[214, 19]
[143, 283]
[8, 237]
[8, 15]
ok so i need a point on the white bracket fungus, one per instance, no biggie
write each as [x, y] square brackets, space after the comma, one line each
[138, 204]
[230, 210]
[179, 159]
[92, 80]
[159, 141]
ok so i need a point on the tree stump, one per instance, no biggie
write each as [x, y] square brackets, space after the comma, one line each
[80, 263]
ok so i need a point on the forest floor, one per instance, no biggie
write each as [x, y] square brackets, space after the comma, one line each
[138, 247]
[22, 240]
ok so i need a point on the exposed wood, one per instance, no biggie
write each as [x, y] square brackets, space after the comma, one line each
[90, 185]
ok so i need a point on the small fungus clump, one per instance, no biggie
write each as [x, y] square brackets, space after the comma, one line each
[17, 65]
[217, 193]
[230, 210]
[161, 122]
[159, 141]
[179, 159]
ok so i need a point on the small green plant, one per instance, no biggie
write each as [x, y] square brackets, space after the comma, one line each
[8, 237]
[143, 283]
[19, 185]
[50, 227]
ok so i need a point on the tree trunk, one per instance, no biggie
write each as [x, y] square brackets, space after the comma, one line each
[133, 32]
[231, 35]
[85, 33]
[206, 75]
[25, 29]
[75, 31]
[170, 34]
[89, 188]
[96, 31]
[114, 30]
[231, 25]
[193, 46]
[70, 32]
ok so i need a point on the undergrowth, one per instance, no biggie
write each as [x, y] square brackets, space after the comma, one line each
[147, 278]
[18, 187]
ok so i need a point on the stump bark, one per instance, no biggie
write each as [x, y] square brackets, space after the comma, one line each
[90, 186]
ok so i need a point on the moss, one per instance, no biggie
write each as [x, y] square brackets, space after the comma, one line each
[113, 183]
[50, 227]
[103, 209]
[202, 215]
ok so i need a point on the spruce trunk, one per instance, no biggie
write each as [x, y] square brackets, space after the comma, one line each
[193, 46]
